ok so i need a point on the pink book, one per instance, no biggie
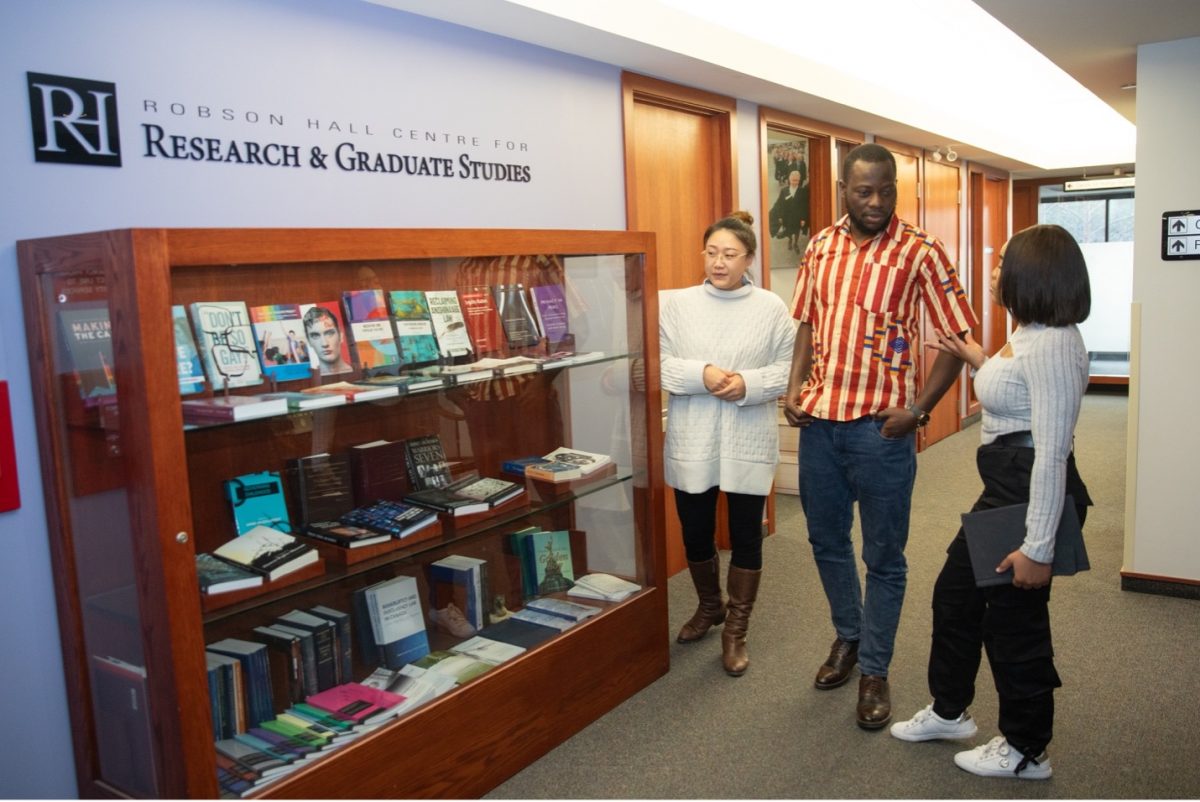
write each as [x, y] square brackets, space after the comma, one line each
[357, 702]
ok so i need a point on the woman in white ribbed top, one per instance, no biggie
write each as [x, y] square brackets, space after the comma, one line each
[1031, 392]
[726, 354]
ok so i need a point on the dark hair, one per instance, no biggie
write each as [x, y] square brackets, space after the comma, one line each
[740, 224]
[1044, 279]
[870, 152]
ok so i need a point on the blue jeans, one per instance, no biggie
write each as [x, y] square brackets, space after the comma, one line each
[845, 462]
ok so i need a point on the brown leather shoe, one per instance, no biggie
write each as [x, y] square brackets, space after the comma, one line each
[874, 702]
[835, 671]
[706, 576]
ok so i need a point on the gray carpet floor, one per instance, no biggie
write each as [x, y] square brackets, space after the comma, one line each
[1125, 715]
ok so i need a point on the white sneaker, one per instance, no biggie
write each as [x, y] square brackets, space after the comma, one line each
[997, 759]
[451, 620]
[929, 726]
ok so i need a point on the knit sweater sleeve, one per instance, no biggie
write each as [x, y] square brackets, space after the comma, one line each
[767, 383]
[678, 375]
[1055, 372]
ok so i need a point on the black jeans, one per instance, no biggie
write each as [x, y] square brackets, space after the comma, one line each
[1012, 624]
[698, 517]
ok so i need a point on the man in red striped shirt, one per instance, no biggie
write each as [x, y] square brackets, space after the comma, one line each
[853, 392]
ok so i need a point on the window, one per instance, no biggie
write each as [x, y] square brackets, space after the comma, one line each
[1090, 216]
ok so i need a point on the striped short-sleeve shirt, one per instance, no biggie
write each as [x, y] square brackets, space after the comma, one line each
[863, 303]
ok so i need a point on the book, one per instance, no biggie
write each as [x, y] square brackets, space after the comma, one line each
[124, 733]
[267, 551]
[345, 638]
[549, 558]
[528, 633]
[360, 703]
[87, 340]
[187, 358]
[219, 576]
[226, 343]
[378, 471]
[280, 342]
[231, 408]
[416, 685]
[483, 321]
[448, 499]
[371, 331]
[449, 326]
[397, 624]
[346, 536]
[308, 654]
[321, 488]
[324, 640]
[264, 763]
[604, 587]
[256, 676]
[586, 461]
[462, 581]
[426, 461]
[393, 518]
[520, 329]
[534, 616]
[257, 500]
[492, 491]
[355, 392]
[462, 668]
[567, 610]
[326, 337]
[517, 465]
[488, 650]
[299, 401]
[285, 657]
[548, 470]
[550, 308]
[228, 703]
[414, 327]
[993, 534]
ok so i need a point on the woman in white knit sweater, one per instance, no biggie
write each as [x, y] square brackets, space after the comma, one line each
[1030, 392]
[726, 353]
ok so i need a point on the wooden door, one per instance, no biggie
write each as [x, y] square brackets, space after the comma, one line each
[680, 175]
[942, 220]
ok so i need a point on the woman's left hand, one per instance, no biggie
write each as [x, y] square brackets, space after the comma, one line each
[734, 388]
[1027, 574]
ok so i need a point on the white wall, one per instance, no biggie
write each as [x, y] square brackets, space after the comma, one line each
[330, 61]
[1110, 271]
[1162, 505]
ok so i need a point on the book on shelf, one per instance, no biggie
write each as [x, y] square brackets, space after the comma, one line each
[568, 610]
[516, 318]
[393, 609]
[321, 488]
[399, 382]
[531, 615]
[462, 668]
[229, 701]
[308, 654]
[415, 684]
[87, 343]
[187, 359]
[487, 489]
[548, 559]
[303, 748]
[271, 746]
[263, 763]
[334, 721]
[517, 465]
[550, 308]
[371, 331]
[522, 631]
[448, 499]
[462, 581]
[483, 321]
[393, 518]
[124, 734]
[586, 461]
[325, 641]
[425, 458]
[226, 343]
[548, 470]
[360, 703]
[285, 656]
[256, 676]
[345, 637]
[378, 470]
[414, 326]
[291, 721]
[345, 535]
[300, 401]
[280, 341]
[449, 325]
[297, 732]
[267, 551]
[604, 587]
[355, 392]
[231, 408]
[256, 499]
[452, 375]
[327, 338]
[488, 650]
[219, 576]
[511, 365]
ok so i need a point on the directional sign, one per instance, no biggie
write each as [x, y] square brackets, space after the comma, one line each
[1181, 235]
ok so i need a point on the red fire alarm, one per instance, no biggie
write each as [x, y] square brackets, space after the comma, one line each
[10, 491]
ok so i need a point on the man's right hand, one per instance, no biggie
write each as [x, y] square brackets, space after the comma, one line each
[792, 411]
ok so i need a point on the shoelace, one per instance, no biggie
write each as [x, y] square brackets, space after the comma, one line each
[999, 746]
[1025, 761]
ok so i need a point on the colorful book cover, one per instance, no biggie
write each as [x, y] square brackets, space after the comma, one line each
[426, 462]
[257, 500]
[550, 556]
[414, 326]
[87, 337]
[226, 343]
[515, 316]
[325, 335]
[279, 338]
[187, 358]
[550, 306]
[483, 321]
[448, 323]
[371, 331]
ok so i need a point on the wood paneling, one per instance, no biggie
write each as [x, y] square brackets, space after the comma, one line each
[943, 220]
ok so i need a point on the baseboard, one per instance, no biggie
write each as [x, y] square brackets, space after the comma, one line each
[1160, 586]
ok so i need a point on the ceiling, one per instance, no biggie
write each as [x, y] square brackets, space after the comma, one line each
[1093, 41]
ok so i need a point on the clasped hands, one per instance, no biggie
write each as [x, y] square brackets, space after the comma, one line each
[724, 384]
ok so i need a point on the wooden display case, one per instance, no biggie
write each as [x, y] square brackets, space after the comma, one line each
[132, 495]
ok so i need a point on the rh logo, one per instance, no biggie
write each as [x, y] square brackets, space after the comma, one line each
[74, 120]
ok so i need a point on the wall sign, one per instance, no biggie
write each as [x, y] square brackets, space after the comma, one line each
[1181, 235]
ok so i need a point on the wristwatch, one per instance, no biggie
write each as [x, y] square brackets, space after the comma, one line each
[921, 415]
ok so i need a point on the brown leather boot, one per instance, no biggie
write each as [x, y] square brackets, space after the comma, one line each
[743, 590]
[706, 576]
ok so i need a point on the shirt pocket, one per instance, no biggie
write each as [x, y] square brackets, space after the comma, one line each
[881, 287]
